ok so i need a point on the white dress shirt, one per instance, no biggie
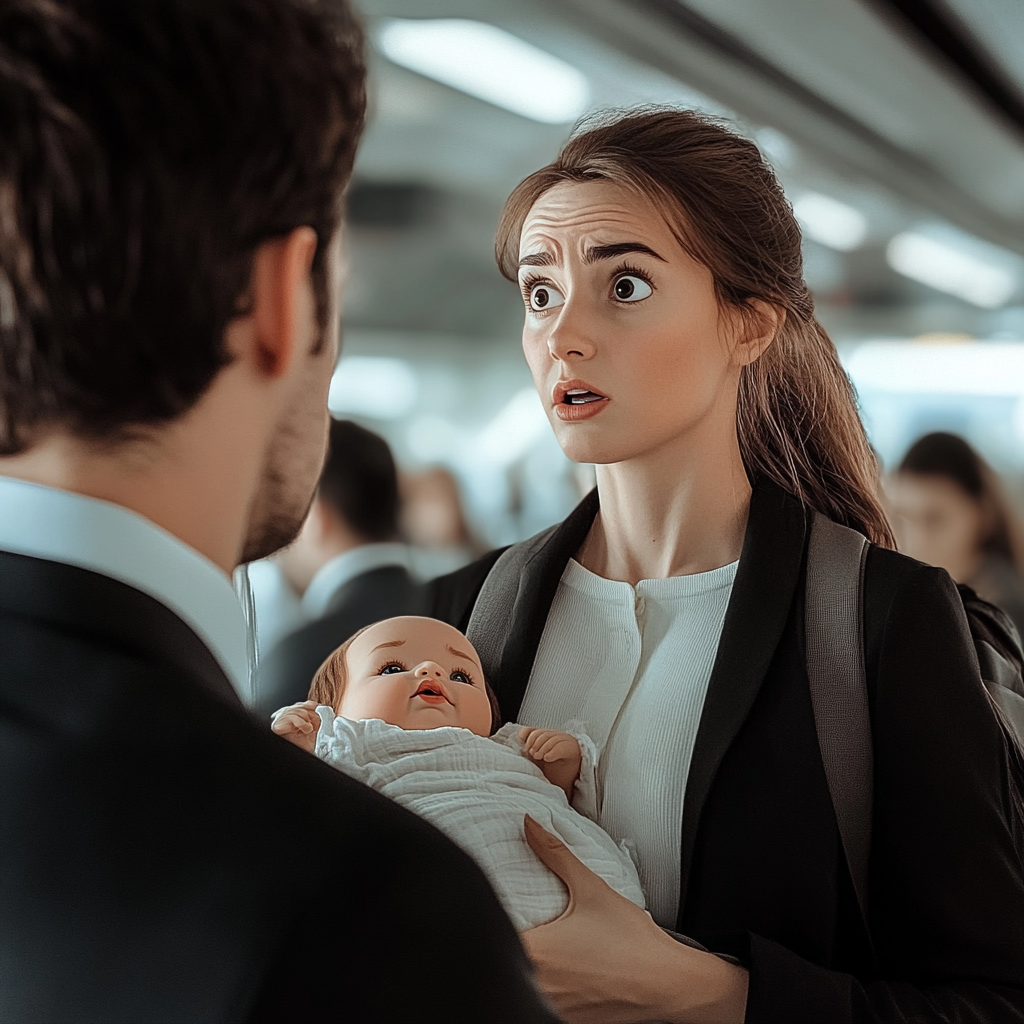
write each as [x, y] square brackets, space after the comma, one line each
[633, 666]
[105, 538]
[333, 575]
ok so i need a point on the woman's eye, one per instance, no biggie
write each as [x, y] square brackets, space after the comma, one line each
[391, 668]
[460, 677]
[630, 288]
[543, 296]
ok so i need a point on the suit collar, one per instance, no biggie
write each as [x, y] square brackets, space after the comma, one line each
[766, 582]
[62, 526]
[86, 602]
[538, 583]
[322, 593]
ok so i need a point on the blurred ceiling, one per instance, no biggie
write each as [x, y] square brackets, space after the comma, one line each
[910, 112]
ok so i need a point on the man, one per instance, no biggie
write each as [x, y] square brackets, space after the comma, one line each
[170, 182]
[346, 563]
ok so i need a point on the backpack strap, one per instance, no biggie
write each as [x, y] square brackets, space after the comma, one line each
[834, 637]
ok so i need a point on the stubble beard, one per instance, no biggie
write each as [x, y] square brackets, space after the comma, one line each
[286, 491]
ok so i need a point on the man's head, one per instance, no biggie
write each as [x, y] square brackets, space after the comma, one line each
[357, 503]
[410, 671]
[171, 188]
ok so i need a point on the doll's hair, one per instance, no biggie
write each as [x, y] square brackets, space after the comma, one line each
[797, 418]
[328, 686]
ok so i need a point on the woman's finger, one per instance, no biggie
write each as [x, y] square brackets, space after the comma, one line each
[554, 854]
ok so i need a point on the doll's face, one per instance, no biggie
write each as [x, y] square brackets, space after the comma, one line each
[617, 312]
[416, 673]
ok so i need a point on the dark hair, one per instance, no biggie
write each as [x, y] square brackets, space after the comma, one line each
[149, 148]
[797, 419]
[945, 455]
[360, 481]
[328, 686]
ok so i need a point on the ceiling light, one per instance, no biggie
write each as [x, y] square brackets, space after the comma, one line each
[985, 368]
[830, 222]
[383, 388]
[967, 268]
[489, 63]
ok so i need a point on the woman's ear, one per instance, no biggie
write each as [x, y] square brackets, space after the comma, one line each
[759, 325]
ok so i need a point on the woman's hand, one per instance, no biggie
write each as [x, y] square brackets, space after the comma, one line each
[298, 724]
[605, 961]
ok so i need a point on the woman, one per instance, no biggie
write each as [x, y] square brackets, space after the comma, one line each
[949, 510]
[673, 343]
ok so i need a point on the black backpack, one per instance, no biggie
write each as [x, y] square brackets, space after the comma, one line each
[835, 668]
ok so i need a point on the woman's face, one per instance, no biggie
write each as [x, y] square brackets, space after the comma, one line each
[936, 521]
[628, 347]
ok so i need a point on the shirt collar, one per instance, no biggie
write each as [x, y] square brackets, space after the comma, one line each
[333, 575]
[61, 526]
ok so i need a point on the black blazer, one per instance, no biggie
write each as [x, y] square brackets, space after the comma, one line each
[164, 858]
[762, 872]
[288, 668]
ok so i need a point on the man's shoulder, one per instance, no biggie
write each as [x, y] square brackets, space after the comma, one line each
[205, 856]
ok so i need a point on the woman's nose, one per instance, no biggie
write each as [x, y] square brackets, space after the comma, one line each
[568, 339]
[430, 668]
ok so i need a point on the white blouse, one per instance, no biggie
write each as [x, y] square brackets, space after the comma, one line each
[633, 665]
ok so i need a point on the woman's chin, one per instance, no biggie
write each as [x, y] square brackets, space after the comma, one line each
[592, 452]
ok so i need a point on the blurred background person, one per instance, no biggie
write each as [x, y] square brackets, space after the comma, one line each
[434, 523]
[347, 566]
[948, 509]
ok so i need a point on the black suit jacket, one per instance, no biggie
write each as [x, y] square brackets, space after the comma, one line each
[762, 871]
[164, 858]
[288, 668]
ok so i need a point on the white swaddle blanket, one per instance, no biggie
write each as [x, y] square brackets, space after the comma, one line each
[476, 790]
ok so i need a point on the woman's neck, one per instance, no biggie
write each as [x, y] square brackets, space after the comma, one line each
[677, 511]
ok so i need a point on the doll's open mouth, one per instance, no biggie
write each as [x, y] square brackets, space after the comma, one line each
[431, 693]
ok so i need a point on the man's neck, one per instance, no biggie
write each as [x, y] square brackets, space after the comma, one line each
[201, 504]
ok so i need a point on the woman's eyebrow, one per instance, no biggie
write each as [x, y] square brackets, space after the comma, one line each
[388, 643]
[610, 251]
[537, 259]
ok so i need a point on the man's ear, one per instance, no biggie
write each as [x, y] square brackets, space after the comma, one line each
[282, 304]
[759, 326]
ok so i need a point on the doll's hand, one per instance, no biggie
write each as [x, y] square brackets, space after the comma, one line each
[557, 754]
[298, 723]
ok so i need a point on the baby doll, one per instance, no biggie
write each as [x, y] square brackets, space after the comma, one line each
[403, 707]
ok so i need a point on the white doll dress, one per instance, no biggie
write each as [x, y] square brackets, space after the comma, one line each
[476, 790]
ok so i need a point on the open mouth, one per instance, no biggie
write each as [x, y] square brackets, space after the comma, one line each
[576, 392]
[579, 396]
[431, 693]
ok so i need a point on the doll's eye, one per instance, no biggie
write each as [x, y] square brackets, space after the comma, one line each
[391, 668]
[630, 288]
[543, 297]
[458, 676]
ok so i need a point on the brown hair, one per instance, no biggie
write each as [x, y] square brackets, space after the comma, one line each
[328, 686]
[797, 418]
[149, 149]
